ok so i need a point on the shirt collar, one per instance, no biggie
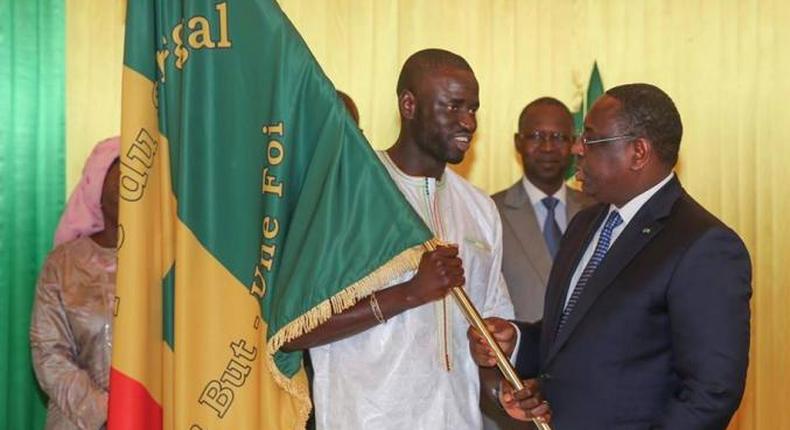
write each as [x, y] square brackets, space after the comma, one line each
[536, 195]
[413, 180]
[629, 210]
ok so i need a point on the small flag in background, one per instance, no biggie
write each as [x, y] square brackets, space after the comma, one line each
[595, 89]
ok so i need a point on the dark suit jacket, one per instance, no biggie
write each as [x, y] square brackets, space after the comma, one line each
[526, 261]
[660, 336]
[526, 264]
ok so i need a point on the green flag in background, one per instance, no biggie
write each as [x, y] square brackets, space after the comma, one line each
[595, 89]
[252, 209]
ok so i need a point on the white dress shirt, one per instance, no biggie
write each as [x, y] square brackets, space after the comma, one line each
[627, 213]
[536, 197]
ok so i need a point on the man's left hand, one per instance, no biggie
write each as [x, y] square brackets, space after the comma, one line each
[526, 404]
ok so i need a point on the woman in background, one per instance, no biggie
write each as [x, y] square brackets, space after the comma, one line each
[70, 329]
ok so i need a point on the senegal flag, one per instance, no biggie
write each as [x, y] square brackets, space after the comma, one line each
[595, 89]
[252, 209]
[586, 99]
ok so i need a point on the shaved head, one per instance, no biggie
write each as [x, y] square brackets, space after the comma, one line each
[424, 62]
[543, 101]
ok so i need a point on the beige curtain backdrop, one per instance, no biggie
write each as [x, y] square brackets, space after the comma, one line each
[725, 63]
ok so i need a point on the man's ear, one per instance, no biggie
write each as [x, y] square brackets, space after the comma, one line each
[518, 142]
[642, 154]
[407, 104]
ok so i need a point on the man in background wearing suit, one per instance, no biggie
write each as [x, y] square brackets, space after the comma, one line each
[646, 323]
[535, 212]
[536, 209]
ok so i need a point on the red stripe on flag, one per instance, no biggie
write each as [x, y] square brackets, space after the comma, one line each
[131, 406]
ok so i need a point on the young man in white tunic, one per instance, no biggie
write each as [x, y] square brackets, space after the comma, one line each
[414, 371]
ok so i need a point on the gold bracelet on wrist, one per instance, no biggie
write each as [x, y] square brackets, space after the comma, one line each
[374, 306]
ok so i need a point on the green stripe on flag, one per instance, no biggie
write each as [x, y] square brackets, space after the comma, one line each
[270, 173]
[168, 307]
[595, 89]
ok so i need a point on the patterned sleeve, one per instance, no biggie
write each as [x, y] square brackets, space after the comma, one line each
[70, 388]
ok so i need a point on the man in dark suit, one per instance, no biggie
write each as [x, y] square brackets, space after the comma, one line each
[535, 212]
[646, 321]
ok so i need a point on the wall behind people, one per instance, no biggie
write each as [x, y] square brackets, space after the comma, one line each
[724, 63]
[94, 61]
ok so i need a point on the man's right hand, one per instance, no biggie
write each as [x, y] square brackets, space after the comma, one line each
[438, 272]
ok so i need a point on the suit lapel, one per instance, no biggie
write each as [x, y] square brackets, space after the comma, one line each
[573, 246]
[520, 214]
[645, 225]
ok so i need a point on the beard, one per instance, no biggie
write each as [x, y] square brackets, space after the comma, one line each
[445, 148]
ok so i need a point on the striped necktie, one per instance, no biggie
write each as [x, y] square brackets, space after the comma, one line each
[601, 248]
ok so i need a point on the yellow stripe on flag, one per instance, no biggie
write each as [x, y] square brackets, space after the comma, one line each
[222, 374]
[218, 374]
[145, 189]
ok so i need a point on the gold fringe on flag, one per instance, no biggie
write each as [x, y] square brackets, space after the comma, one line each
[404, 262]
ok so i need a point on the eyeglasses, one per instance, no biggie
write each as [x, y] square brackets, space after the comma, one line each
[537, 136]
[586, 141]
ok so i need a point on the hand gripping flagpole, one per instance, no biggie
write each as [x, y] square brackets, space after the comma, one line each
[476, 321]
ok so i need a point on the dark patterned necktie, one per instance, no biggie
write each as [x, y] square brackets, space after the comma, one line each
[601, 248]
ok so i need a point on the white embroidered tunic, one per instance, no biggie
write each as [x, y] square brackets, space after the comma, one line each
[395, 375]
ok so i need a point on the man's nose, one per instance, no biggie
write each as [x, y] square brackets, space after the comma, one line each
[469, 122]
[546, 144]
[577, 148]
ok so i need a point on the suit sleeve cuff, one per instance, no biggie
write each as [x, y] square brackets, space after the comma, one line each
[514, 354]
